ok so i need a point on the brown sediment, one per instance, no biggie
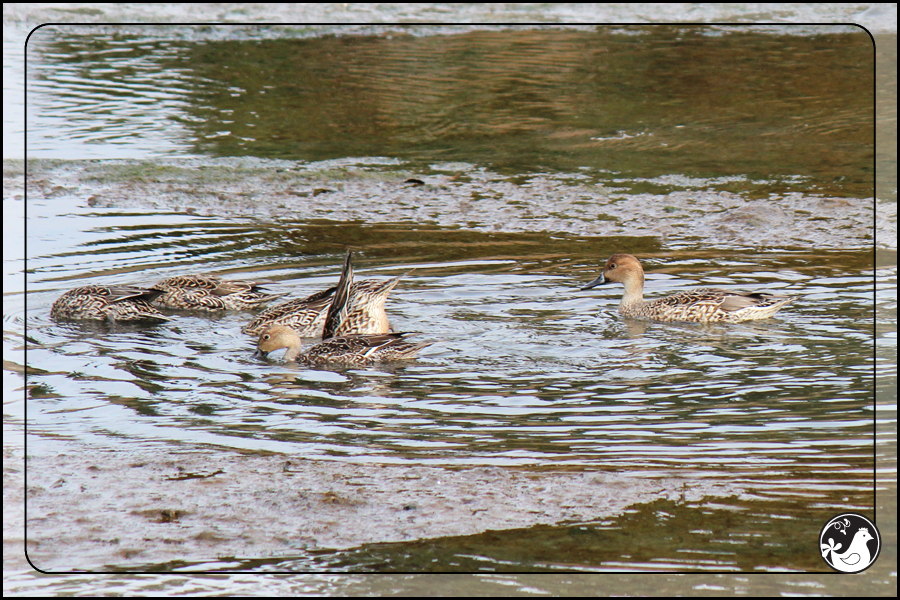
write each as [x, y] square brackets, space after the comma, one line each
[194, 505]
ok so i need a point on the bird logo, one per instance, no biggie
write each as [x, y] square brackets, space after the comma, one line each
[863, 546]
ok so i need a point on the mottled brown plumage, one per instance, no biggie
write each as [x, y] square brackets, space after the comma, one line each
[210, 293]
[363, 313]
[107, 303]
[345, 349]
[703, 305]
[305, 315]
[335, 347]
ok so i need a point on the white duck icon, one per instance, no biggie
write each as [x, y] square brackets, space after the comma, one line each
[853, 559]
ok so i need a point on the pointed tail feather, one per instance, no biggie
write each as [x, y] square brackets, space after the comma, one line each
[337, 312]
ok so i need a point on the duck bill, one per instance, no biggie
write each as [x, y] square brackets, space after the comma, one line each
[599, 281]
[260, 354]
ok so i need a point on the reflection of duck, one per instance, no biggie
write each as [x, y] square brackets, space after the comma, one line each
[348, 348]
[207, 292]
[703, 305]
[107, 303]
[364, 313]
[856, 556]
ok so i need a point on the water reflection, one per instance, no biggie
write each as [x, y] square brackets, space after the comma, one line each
[662, 536]
[666, 100]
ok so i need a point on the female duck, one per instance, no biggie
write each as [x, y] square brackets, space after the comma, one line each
[357, 349]
[107, 303]
[346, 349]
[364, 312]
[305, 315]
[207, 292]
[703, 305]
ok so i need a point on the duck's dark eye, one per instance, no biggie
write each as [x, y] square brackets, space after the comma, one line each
[266, 337]
[611, 267]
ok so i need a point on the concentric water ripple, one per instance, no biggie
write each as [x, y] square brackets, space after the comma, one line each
[524, 368]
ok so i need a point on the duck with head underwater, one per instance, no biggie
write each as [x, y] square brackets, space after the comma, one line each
[356, 349]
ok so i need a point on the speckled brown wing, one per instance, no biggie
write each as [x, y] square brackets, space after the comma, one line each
[112, 303]
[733, 301]
[708, 305]
[211, 293]
[190, 282]
[305, 315]
[363, 349]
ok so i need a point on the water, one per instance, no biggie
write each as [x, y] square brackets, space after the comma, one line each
[749, 436]
[525, 369]
[525, 109]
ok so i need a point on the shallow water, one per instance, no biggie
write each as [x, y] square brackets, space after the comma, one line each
[524, 371]
[615, 102]
[528, 187]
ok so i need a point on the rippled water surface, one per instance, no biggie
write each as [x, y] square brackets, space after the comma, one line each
[614, 99]
[525, 369]
[495, 171]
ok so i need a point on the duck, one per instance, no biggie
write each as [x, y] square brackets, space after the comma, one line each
[352, 349]
[345, 349]
[702, 305]
[209, 293]
[304, 315]
[107, 303]
[363, 314]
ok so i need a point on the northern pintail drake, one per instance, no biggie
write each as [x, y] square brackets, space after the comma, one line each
[355, 349]
[210, 293]
[107, 303]
[363, 313]
[703, 305]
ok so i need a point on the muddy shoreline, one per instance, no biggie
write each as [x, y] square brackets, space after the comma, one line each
[196, 505]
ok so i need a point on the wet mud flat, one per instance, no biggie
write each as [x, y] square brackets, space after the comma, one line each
[127, 508]
[679, 211]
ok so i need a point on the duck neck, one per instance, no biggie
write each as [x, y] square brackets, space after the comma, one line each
[634, 292]
[293, 350]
